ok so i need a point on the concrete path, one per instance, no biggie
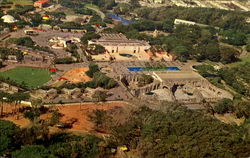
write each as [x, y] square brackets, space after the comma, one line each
[102, 15]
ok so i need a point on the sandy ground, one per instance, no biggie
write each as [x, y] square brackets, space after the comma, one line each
[8, 112]
[229, 118]
[81, 113]
[77, 75]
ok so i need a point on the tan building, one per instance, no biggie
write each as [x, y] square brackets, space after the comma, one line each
[119, 44]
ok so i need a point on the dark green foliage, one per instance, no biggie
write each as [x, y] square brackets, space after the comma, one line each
[215, 17]
[101, 119]
[7, 128]
[93, 68]
[84, 11]
[99, 96]
[144, 80]
[8, 131]
[95, 49]
[75, 146]
[178, 132]
[24, 41]
[96, 19]
[242, 109]
[32, 151]
[88, 36]
[248, 47]
[54, 118]
[20, 10]
[74, 25]
[224, 106]
[229, 54]
[6, 51]
[234, 37]
[65, 60]
[237, 77]
[28, 42]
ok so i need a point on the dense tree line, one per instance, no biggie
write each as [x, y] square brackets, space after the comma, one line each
[178, 132]
[36, 141]
[99, 79]
[28, 42]
[209, 16]
[186, 42]
[236, 77]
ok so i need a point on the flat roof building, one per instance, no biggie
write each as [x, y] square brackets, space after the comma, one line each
[118, 43]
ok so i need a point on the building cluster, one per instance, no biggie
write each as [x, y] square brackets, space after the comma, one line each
[119, 47]
[60, 43]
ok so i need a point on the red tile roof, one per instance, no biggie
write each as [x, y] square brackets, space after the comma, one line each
[42, 1]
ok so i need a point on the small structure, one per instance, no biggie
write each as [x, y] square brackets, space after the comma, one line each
[8, 19]
[12, 58]
[31, 32]
[60, 43]
[41, 3]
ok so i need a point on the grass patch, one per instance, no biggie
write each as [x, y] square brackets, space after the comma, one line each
[21, 1]
[31, 77]
[91, 6]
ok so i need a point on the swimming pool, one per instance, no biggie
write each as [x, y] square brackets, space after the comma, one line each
[170, 68]
[126, 55]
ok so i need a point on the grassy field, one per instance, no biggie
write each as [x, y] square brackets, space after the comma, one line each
[32, 77]
[21, 1]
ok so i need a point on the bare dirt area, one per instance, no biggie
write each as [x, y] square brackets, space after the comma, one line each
[81, 114]
[229, 118]
[78, 112]
[16, 118]
[77, 75]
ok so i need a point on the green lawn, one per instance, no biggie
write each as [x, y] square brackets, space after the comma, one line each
[32, 77]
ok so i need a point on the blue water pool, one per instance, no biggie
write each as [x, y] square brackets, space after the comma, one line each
[171, 68]
[116, 17]
[126, 55]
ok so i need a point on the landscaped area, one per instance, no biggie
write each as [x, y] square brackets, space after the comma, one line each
[32, 77]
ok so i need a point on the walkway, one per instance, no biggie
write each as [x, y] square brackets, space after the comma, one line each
[101, 14]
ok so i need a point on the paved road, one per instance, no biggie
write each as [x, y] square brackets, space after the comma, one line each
[102, 15]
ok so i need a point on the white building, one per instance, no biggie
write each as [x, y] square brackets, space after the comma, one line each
[118, 43]
[8, 19]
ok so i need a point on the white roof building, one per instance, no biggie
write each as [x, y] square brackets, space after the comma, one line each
[8, 19]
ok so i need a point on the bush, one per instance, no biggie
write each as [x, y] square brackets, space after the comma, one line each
[54, 118]
[66, 60]
[93, 68]
[224, 106]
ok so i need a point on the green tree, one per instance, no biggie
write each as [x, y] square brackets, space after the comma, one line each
[31, 151]
[228, 54]
[88, 36]
[224, 106]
